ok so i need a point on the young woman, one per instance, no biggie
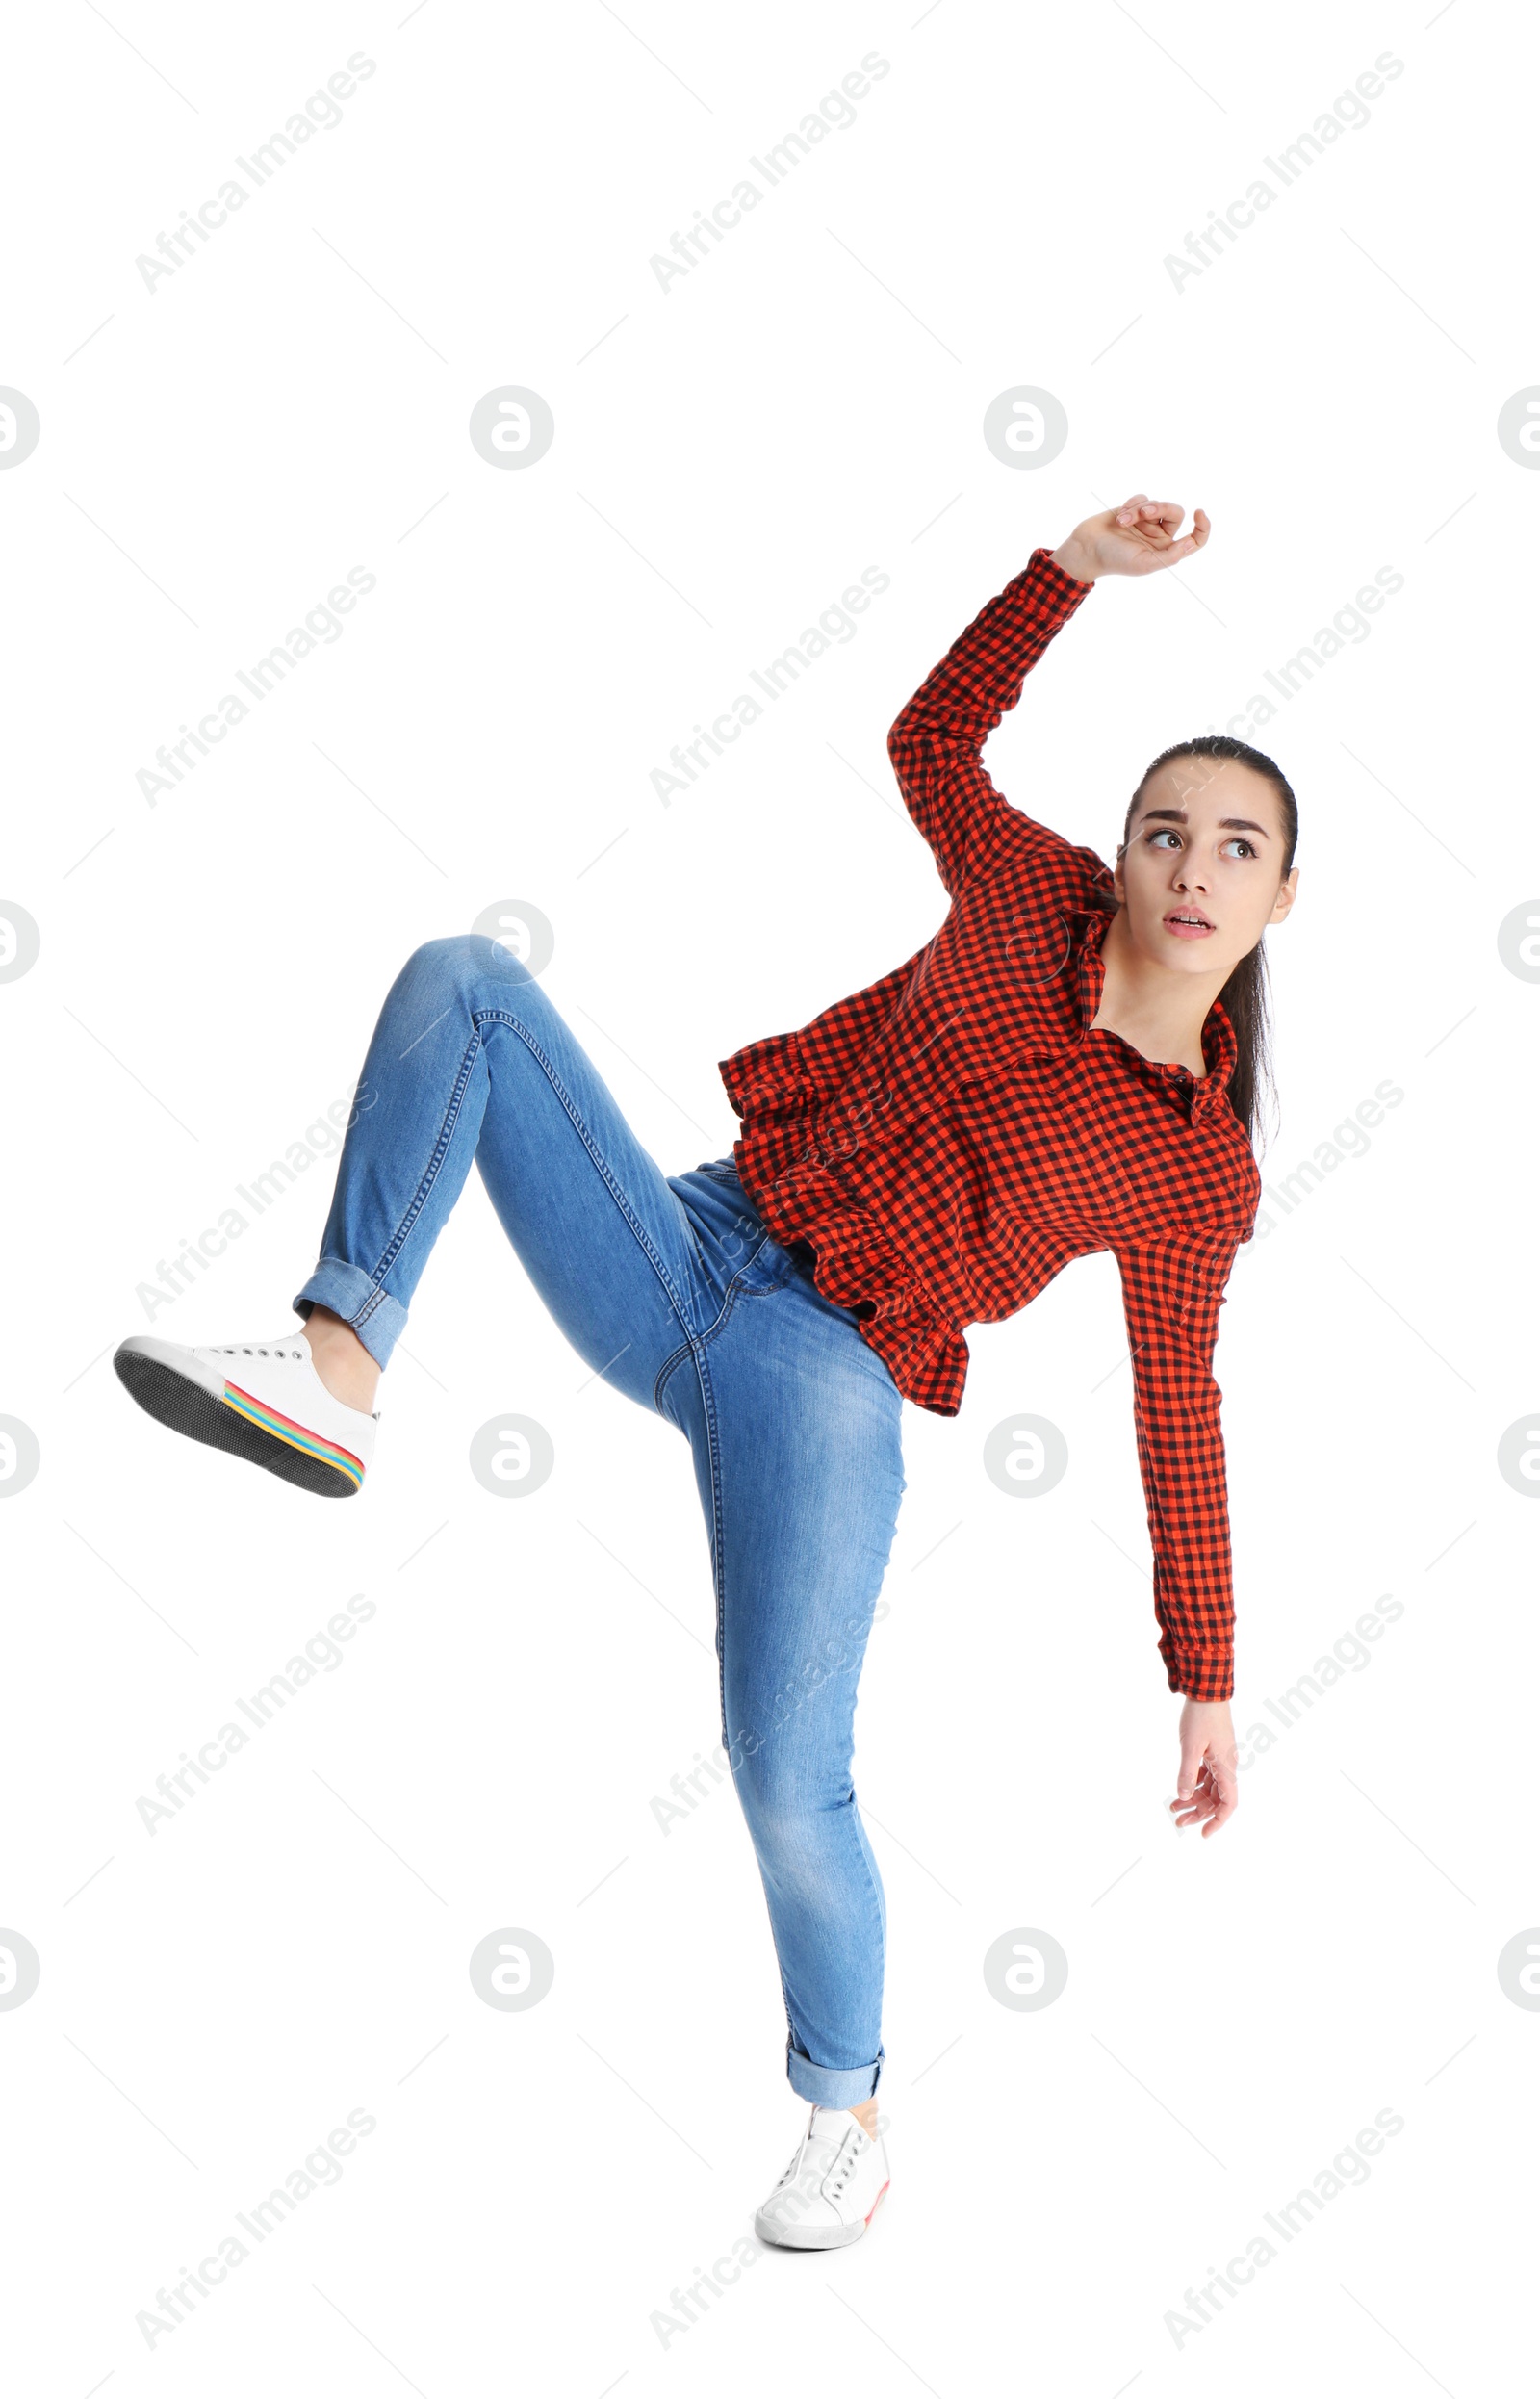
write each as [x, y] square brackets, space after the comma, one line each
[1071, 1065]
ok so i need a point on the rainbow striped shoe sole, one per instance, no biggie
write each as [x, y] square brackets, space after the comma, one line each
[278, 1415]
[280, 1427]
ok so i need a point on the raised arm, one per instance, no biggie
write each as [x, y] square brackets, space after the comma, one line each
[1173, 1288]
[937, 742]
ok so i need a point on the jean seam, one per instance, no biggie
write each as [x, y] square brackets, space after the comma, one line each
[718, 1545]
[478, 1017]
[792, 2048]
[430, 1173]
[871, 1889]
[485, 1015]
[733, 1293]
[674, 1359]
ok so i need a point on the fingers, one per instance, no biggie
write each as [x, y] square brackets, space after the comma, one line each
[1207, 1795]
[1152, 517]
[1188, 542]
[1195, 1806]
[1155, 522]
[1188, 545]
[1227, 1793]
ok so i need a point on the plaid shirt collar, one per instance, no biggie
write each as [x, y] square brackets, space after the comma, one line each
[1202, 1094]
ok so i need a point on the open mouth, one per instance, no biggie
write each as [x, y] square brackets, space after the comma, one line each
[1188, 924]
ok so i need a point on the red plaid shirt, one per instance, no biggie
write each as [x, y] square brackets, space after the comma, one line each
[950, 1138]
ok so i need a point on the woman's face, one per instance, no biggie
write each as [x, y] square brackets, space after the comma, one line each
[1202, 873]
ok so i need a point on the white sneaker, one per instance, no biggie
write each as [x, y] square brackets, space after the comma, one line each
[829, 2193]
[260, 1400]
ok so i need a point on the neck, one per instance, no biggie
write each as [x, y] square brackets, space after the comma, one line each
[1160, 1014]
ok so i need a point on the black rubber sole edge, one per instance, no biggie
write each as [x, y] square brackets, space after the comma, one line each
[184, 1406]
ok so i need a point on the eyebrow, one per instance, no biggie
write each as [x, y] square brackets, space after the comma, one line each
[1230, 824]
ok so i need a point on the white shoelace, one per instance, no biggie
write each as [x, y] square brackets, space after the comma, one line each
[841, 2165]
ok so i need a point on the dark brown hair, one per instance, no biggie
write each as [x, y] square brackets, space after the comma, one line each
[1244, 996]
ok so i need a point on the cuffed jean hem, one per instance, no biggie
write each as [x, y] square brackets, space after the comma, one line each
[832, 2087]
[376, 1319]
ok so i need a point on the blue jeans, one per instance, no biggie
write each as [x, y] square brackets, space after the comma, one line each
[670, 1287]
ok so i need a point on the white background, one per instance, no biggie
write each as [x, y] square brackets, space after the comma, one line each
[730, 453]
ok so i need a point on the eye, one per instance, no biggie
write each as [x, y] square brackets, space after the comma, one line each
[1240, 843]
[1162, 832]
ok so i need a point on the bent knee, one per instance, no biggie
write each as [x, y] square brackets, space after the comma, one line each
[457, 960]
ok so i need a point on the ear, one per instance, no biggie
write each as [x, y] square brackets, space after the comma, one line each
[1288, 890]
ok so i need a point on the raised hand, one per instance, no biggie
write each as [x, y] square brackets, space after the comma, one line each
[1136, 539]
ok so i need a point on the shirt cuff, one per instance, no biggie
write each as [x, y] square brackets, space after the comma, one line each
[1199, 1674]
[1069, 586]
